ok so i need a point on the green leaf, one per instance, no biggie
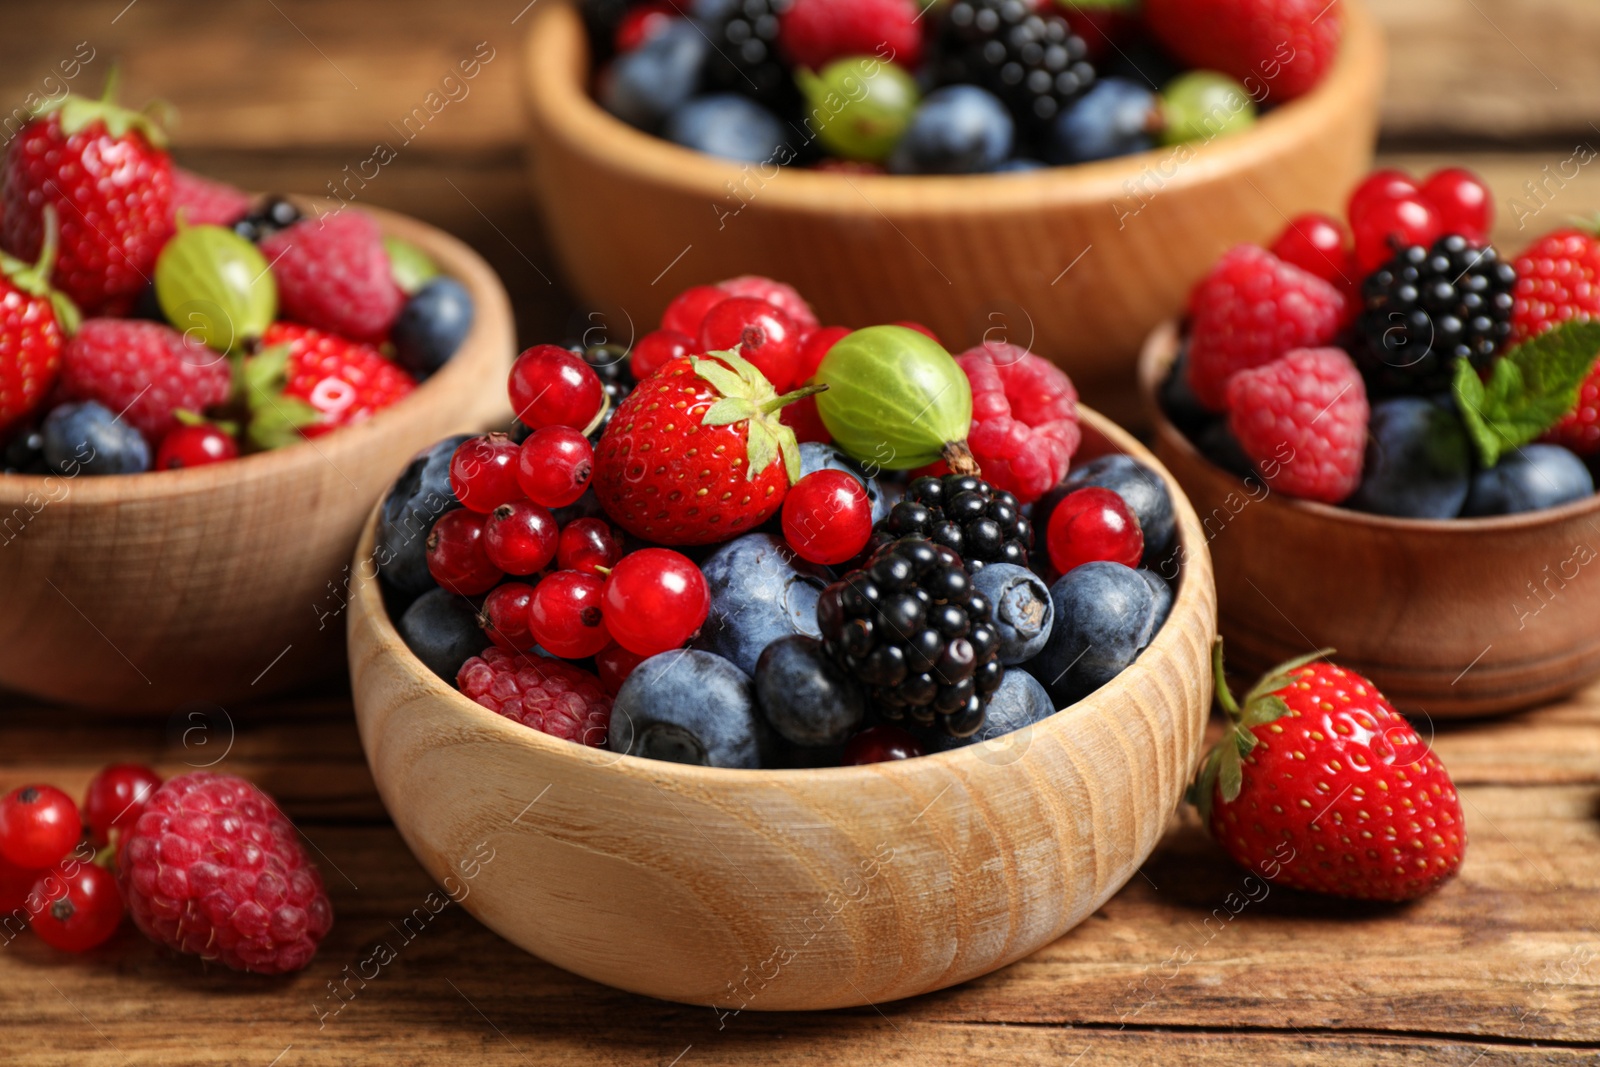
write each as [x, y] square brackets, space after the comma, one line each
[278, 421]
[722, 379]
[763, 449]
[728, 410]
[1230, 773]
[1530, 388]
[1263, 710]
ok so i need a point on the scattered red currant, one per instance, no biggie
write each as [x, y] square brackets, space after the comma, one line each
[880, 744]
[456, 556]
[194, 446]
[551, 386]
[520, 537]
[115, 798]
[82, 907]
[760, 332]
[555, 466]
[565, 615]
[655, 600]
[504, 617]
[483, 472]
[655, 350]
[1091, 524]
[813, 346]
[827, 517]
[614, 664]
[689, 308]
[588, 545]
[38, 825]
[1463, 202]
[1392, 224]
[1315, 243]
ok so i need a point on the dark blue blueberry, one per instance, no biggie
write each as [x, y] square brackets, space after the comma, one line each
[1178, 401]
[1217, 443]
[959, 129]
[646, 85]
[432, 325]
[1532, 478]
[1418, 463]
[88, 438]
[760, 591]
[687, 706]
[1020, 602]
[1020, 701]
[1105, 616]
[815, 456]
[731, 126]
[420, 495]
[1111, 119]
[441, 629]
[1140, 488]
[805, 695]
[1163, 594]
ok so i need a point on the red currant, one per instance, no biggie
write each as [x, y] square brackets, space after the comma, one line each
[551, 386]
[194, 446]
[504, 617]
[1314, 243]
[82, 907]
[762, 334]
[1091, 524]
[1379, 186]
[456, 556]
[520, 537]
[655, 350]
[827, 517]
[813, 346]
[655, 600]
[15, 885]
[880, 744]
[1463, 202]
[555, 466]
[115, 798]
[588, 545]
[923, 330]
[483, 472]
[688, 309]
[642, 23]
[1392, 223]
[565, 615]
[614, 663]
[38, 825]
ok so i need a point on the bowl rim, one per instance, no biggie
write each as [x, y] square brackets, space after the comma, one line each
[557, 72]
[454, 257]
[1195, 593]
[1156, 356]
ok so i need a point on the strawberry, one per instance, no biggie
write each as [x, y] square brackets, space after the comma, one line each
[146, 372]
[1279, 49]
[305, 382]
[34, 320]
[1558, 279]
[698, 453]
[106, 172]
[333, 273]
[1319, 784]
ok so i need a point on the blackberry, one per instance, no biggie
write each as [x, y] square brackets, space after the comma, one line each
[744, 57]
[271, 215]
[1031, 61]
[912, 629]
[1428, 307]
[965, 514]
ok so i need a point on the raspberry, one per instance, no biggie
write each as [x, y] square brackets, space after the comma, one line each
[333, 274]
[781, 295]
[1558, 278]
[144, 370]
[201, 201]
[1024, 419]
[813, 33]
[1305, 414]
[1284, 45]
[1251, 309]
[545, 694]
[214, 869]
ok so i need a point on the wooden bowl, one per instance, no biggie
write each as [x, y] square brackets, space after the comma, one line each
[1079, 263]
[225, 582]
[794, 888]
[1450, 618]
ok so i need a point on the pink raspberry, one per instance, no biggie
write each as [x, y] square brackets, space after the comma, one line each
[550, 696]
[781, 295]
[333, 273]
[816, 32]
[1251, 309]
[200, 201]
[213, 868]
[145, 370]
[1302, 420]
[1024, 419]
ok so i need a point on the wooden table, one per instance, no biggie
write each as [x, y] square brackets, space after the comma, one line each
[1499, 967]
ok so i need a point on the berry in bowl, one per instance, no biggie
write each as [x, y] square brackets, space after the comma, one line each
[1390, 432]
[199, 395]
[819, 618]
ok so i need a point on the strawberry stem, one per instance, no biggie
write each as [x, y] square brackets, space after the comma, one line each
[1219, 678]
[786, 399]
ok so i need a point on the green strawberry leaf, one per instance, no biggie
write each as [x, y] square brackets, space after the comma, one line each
[1529, 389]
[1230, 773]
[278, 421]
[1261, 711]
[763, 448]
[725, 381]
[728, 410]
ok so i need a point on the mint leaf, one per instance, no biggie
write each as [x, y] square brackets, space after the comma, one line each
[1529, 389]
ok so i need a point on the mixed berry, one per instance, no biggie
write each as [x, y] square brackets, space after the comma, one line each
[951, 86]
[1400, 365]
[757, 541]
[191, 322]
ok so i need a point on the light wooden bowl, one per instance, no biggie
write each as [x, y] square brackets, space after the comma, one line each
[225, 582]
[1079, 263]
[1450, 618]
[797, 888]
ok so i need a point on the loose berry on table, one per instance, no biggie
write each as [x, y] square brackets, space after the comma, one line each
[115, 798]
[39, 824]
[81, 907]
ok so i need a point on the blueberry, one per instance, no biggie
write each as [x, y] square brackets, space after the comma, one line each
[1532, 478]
[1020, 701]
[431, 326]
[24, 453]
[420, 495]
[1163, 594]
[1144, 491]
[805, 695]
[1111, 119]
[815, 456]
[959, 129]
[441, 629]
[760, 591]
[1217, 443]
[87, 438]
[1418, 463]
[646, 85]
[1105, 616]
[1021, 605]
[1178, 401]
[728, 125]
[687, 706]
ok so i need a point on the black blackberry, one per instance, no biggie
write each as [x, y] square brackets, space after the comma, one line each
[744, 56]
[1428, 307]
[919, 637]
[1031, 61]
[271, 215]
[965, 514]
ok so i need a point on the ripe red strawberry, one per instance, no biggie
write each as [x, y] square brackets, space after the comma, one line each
[202, 201]
[1280, 48]
[1302, 420]
[1024, 419]
[1319, 784]
[813, 33]
[106, 172]
[1251, 309]
[698, 453]
[34, 322]
[334, 274]
[146, 371]
[1558, 279]
[305, 383]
